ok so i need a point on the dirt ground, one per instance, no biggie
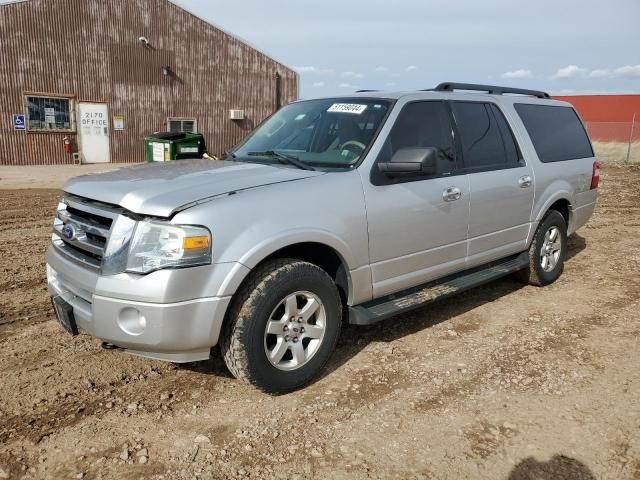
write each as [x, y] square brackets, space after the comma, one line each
[52, 176]
[503, 382]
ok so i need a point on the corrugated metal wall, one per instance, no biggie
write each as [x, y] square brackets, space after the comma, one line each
[608, 118]
[89, 49]
[604, 108]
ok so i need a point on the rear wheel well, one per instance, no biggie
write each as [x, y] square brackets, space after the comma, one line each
[563, 207]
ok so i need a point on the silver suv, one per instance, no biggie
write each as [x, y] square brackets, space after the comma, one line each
[349, 209]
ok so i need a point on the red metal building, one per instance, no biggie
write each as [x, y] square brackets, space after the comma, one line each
[608, 117]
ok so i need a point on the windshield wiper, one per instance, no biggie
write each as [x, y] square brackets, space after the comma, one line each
[282, 158]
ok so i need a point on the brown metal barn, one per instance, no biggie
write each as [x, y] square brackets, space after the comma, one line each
[108, 73]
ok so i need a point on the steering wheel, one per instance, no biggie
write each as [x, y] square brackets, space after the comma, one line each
[349, 146]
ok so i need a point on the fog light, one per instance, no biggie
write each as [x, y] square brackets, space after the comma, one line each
[132, 321]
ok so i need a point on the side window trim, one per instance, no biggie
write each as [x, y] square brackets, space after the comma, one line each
[457, 139]
[457, 169]
[462, 164]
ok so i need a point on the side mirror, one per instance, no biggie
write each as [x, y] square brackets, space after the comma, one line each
[411, 161]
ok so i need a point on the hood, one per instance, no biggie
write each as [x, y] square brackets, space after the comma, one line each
[161, 189]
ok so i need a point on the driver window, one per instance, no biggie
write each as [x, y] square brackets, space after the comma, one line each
[423, 124]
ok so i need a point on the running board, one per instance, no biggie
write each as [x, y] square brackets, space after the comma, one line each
[385, 307]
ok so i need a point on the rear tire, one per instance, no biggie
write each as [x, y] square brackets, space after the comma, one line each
[283, 326]
[547, 251]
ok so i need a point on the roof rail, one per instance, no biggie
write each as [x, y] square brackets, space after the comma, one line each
[492, 89]
[363, 91]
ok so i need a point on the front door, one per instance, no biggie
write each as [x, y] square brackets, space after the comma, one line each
[417, 226]
[93, 132]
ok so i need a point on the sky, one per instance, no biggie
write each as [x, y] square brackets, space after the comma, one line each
[338, 46]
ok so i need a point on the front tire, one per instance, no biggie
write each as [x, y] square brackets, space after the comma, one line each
[283, 326]
[547, 251]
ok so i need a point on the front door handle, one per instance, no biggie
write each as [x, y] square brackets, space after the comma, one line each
[451, 194]
[525, 181]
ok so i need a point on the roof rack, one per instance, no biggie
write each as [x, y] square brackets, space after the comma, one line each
[492, 89]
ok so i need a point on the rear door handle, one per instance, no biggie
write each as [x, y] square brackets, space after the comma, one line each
[525, 181]
[451, 194]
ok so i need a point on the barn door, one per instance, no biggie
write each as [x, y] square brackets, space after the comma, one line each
[93, 132]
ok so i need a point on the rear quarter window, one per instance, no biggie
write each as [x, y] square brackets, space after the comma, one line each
[556, 132]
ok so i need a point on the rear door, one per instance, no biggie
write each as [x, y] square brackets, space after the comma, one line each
[417, 232]
[500, 183]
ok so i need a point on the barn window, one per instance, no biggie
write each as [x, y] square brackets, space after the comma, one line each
[182, 125]
[49, 114]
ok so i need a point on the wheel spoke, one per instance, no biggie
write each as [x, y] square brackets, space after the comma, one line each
[291, 306]
[275, 327]
[279, 350]
[298, 353]
[297, 330]
[551, 249]
[309, 309]
[313, 331]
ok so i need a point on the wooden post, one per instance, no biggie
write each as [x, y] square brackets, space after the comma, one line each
[633, 124]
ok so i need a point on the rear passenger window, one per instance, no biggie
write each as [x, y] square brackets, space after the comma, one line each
[510, 147]
[556, 132]
[487, 141]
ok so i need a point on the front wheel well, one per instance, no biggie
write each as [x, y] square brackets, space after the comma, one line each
[320, 255]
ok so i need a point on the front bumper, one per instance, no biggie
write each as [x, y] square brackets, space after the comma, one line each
[174, 315]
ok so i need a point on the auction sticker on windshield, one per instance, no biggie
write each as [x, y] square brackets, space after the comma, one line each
[347, 108]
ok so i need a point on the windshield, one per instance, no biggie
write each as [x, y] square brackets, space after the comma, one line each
[328, 132]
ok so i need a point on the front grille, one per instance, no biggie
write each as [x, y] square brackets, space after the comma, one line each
[91, 218]
[81, 230]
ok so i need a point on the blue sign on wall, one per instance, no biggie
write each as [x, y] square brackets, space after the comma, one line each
[18, 122]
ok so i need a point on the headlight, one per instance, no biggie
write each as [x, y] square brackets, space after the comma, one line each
[157, 245]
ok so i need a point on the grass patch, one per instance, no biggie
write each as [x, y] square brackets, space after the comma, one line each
[616, 152]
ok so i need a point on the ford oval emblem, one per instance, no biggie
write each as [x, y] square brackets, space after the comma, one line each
[68, 232]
